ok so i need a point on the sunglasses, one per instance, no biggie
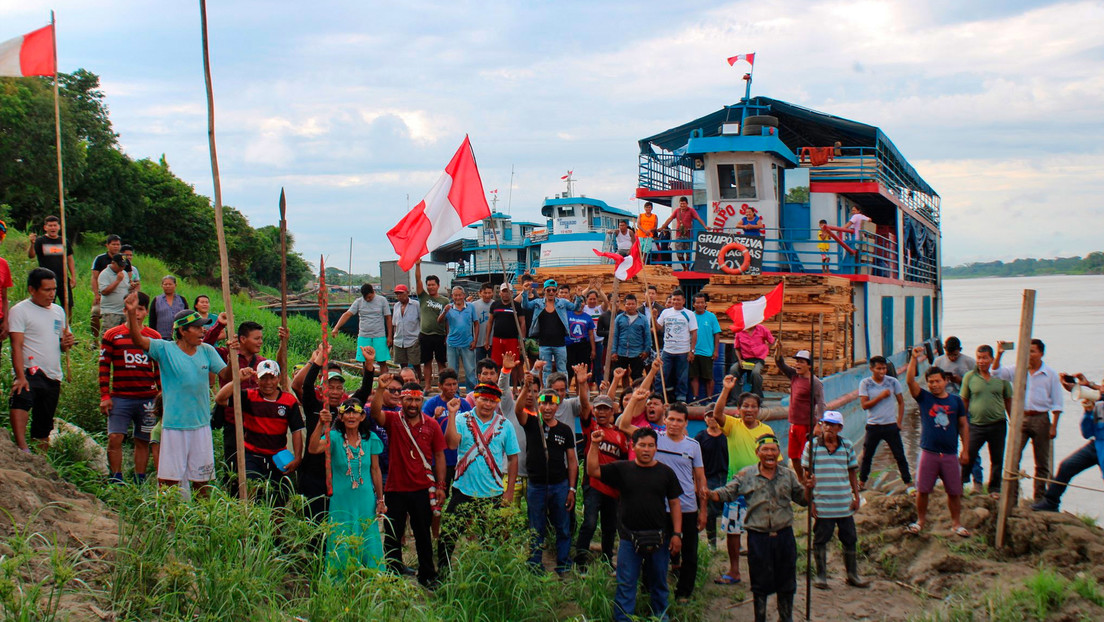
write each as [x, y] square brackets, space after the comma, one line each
[394, 391]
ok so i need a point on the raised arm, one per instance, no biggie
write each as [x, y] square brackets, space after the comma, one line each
[418, 278]
[910, 372]
[593, 457]
[729, 383]
[452, 437]
[582, 384]
[377, 401]
[368, 375]
[632, 409]
[317, 445]
[133, 325]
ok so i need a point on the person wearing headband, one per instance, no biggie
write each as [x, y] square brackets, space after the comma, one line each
[599, 499]
[770, 492]
[187, 451]
[415, 487]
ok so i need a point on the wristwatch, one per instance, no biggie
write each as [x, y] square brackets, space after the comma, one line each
[570, 490]
[677, 534]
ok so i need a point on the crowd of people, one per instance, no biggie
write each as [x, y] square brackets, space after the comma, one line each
[408, 447]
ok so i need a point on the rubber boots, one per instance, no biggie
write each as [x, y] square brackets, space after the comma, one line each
[785, 606]
[760, 604]
[820, 556]
[851, 562]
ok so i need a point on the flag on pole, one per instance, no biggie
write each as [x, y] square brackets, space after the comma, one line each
[626, 267]
[29, 55]
[750, 58]
[748, 314]
[566, 177]
[454, 202]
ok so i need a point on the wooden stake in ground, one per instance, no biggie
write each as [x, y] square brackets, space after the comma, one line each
[810, 439]
[1010, 489]
[64, 283]
[239, 434]
[655, 336]
[281, 354]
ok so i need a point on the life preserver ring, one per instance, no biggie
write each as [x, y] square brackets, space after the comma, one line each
[734, 246]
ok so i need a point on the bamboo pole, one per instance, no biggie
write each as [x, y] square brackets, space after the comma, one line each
[281, 354]
[64, 282]
[223, 260]
[1010, 489]
[324, 320]
[812, 472]
[517, 321]
[655, 336]
[612, 330]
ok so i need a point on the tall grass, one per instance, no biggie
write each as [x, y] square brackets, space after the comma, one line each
[35, 573]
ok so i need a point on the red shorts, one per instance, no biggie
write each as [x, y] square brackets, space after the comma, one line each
[502, 346]
[799, 435]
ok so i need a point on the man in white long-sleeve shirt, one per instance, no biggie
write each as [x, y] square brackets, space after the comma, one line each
[1043, 397]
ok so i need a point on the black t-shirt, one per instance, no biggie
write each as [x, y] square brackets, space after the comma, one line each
[550, 468]
[714, 453]
[603, 329]
[48, 252]
[100, 262]
[505, 327]
[552, 331]
[645, 494]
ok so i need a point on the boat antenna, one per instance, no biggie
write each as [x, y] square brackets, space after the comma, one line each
[569, 179]
[510, 192]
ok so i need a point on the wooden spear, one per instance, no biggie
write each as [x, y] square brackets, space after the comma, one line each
[63, 283]
[223, 260]
[655, 336]
[281, 354]
[324, 320]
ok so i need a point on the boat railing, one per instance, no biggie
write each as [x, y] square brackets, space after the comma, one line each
[665, 171]
[868, 164]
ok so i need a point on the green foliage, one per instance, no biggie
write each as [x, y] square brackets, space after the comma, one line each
[1085, 586]
[798, 194]
[106, 190]
[35, 572]
[1048, 590]
[1093, 263]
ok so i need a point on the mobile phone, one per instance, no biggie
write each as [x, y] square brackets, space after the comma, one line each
[928, 351]
[1008, 345]
[1068, 379]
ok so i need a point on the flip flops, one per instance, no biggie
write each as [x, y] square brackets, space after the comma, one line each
[961, 531]
[914, 528]
[726, 579]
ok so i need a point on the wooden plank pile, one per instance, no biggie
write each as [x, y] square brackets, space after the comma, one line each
[806, 297]
[581, 276]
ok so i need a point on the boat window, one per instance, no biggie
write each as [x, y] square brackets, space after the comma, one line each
[567, 211]
[736, 181]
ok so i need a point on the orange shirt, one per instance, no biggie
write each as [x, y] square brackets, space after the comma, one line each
[646, 225]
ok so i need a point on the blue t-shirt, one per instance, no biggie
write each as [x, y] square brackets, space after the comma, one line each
[708, 327]
[745, 221]
[429, 409]
[185, 384]
[460, 326]
[579, 326]
[939, 422]
[478, 481]
[885, 411]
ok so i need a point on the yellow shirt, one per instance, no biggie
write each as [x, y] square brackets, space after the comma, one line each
[824, 247]
[646, 225]
[742, 443]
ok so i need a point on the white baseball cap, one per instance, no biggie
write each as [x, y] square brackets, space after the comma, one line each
[268, 366]
[804, 354]
[832, 416]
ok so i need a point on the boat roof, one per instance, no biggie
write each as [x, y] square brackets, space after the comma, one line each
[548, 203]
[801, 127]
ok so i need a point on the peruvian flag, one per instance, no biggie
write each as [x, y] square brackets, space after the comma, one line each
[454, 202]
[566, 177]
[750, 58]
[29, 55]
[748, 314]
[626, 267]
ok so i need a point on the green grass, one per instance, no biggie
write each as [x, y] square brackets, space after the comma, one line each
[1048, 590]
[1041, 596]
[35, 573]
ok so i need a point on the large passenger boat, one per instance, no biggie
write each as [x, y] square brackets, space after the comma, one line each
[873, 291]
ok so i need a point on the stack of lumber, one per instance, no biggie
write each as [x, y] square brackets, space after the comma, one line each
[806, 297]
[581, 276]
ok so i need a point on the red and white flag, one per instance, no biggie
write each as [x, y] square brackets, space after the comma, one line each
[626, 267]
[454, 202]
[29, 55]
[566, 177]
[748, 314]
[750, 58]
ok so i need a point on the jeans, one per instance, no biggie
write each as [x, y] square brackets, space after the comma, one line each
[456, 355]
[597, 504]
[482, 353]
[555, 359]
[688, 570]
[994, 435]
[676, 367]
[599, 362]
[754, 376]
[547, 508]
[1080, 460]
[415, 505]
[891, 434]
[629, 566]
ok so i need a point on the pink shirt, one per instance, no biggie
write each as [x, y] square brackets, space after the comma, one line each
[754, 345]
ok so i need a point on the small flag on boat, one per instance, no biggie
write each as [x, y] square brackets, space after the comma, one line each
[566, 177]
[748, 314]
[626, 267]
[454, 202]
[29, 55]
[750, 58]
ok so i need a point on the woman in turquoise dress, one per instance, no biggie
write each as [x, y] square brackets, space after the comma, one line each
[357, 501]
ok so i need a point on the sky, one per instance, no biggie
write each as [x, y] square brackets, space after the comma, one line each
[355, 107]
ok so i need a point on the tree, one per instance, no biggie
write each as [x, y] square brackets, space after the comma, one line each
[265, 268]
[798, 194]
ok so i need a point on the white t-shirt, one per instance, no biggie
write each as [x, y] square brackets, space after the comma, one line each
[41, 328]
[624, 240]
[857, 221]
[595, 313]
[482, 312]
[677, 325]
[115, 302]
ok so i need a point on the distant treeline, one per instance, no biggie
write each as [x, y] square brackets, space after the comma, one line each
[1093, 263]
[108, 192]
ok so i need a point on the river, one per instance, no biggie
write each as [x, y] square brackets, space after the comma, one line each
[1069, 318]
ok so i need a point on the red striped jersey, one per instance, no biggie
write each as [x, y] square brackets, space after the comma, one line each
[135, 373]
[266, 422]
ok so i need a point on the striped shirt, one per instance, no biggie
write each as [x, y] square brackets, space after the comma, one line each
[136, 374]
[832, 494]
[266, 422]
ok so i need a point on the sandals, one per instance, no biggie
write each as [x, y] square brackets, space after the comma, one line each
[961, 531]
[726, 579]
[914, 528]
